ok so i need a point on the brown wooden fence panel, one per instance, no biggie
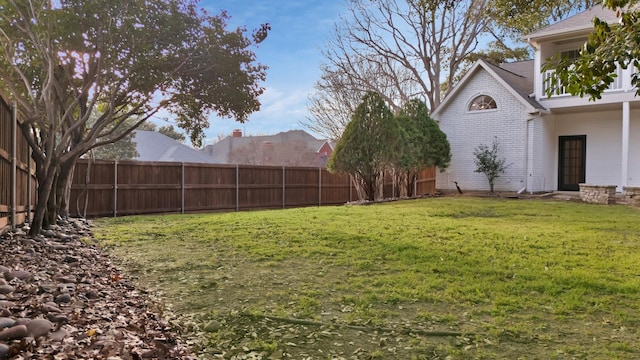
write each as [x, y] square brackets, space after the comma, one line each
[99, 188]
[22, 188]
[302, 187]
[260, 187]
[337, 189]
[209, 187]
[5, 162]
[426, 182]
[148, 188]
[130, 187]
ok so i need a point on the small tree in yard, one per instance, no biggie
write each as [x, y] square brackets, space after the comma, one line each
[368, 143]
[422, 144]
[488, 163]
[64, 61]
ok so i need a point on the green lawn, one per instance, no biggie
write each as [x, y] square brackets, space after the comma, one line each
[527, 279]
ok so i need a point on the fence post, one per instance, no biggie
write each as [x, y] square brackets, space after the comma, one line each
[350, 188]
[284, 189]
[415, 184]
[393, 183]
[182, 188]
[237, 187]
[319, 186]
[29, 198]
[115, 188]
[14, 163]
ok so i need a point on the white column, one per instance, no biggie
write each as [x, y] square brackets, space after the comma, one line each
[625, 143]
[537, 75]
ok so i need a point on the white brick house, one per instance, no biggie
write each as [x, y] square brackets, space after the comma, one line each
[552, 143]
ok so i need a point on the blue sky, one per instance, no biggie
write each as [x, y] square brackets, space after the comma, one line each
[292, 51]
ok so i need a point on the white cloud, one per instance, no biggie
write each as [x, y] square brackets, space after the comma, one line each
[277, 102]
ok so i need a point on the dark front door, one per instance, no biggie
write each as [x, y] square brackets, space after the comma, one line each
[571, 172]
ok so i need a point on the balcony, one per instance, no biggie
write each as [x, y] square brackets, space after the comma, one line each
[548, 83]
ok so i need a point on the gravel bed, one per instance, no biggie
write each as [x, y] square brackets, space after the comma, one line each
[62, 298]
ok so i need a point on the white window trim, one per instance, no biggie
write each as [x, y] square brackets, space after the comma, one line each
[475, 96]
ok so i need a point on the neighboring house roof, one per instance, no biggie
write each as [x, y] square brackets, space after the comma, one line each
[581, 22]
[154, 146]
[221, 150]
[516, 77]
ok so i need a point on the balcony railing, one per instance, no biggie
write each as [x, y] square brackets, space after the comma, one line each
[549, 83]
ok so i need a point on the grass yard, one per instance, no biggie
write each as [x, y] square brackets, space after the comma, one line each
[443, 278]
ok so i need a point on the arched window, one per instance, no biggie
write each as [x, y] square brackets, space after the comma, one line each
[482, 102]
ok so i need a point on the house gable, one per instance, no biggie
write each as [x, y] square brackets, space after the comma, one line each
[579, 24]
[518, 85]
[466, 130]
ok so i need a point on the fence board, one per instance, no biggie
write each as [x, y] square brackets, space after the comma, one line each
[426, 182]
[24, 185]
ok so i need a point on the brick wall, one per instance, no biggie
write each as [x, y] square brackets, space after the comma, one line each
[466, 130]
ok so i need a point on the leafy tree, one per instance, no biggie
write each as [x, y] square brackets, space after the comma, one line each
[171, 132]
[123, 149]
[60, 60]
[423, 144]
[126, 147]
[368, 143]
[606, 48]
[488, 163]
[513, 18]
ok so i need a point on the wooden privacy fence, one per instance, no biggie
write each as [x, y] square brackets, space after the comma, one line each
[17, 180]
[116, 188]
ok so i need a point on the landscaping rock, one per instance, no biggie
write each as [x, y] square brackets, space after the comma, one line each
[4, 351]
[6, 289]
[18, 274]
[63, 298]
[14, 333]
[62, 292]
[39, 327]
[6, 322]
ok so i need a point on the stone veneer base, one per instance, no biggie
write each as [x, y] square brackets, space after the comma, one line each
[631, 194]
[598, 194]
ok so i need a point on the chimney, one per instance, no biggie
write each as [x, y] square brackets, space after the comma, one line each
[237, 133]
[267, 153]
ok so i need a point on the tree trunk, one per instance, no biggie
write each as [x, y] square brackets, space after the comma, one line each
[63, 187]
[371, 188]
[52, 204]
[46, 179]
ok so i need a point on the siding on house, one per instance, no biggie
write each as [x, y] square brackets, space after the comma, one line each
[604, 143]
[540, 153]
[529, 124]
[466, 130]
[634, 148]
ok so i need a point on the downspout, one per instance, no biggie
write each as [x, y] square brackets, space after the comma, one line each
[526, 153]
